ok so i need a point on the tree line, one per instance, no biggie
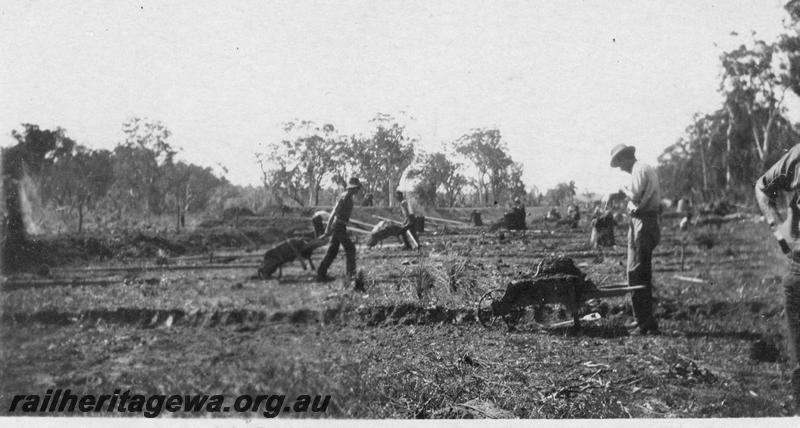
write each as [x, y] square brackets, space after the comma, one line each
[312, 157]
[723, 152]
[141, 178]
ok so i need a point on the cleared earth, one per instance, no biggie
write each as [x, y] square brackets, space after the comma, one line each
[410, 346]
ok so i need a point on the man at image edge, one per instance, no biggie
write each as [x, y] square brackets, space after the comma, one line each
[784, 176]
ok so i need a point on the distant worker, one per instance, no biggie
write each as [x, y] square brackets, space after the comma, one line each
[369, 200]
[553, 215]
[337, 230]
[475, 218]
[519, 206]
[319, 219]
[515, 218]
[573, 215]
[602, 229]
[784, 178]
[409, 221]
[644, 234]
[685, 212]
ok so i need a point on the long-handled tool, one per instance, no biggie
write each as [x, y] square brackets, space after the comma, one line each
[443, 220]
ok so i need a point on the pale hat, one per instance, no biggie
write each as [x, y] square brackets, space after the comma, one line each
[617, 151]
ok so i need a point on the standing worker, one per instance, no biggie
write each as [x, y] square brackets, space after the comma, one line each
[519, 207]
[409, 224]
[784, 177]
[644, 205]
[519, 215]
[573, 215]
[337, 230]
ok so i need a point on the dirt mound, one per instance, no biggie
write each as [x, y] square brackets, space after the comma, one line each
[402, 314]
[559, 265]
[551, 266]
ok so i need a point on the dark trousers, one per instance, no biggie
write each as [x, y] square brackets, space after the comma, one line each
[643, 236]
[339, 237]
[791, 290]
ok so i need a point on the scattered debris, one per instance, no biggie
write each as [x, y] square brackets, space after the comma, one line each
[472, 409]
[359, 283]
[470, 361]
[690, 372]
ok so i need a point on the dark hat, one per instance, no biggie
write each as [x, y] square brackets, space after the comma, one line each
[353, 183]
[620, 149]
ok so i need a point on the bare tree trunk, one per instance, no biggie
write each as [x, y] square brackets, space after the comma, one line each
[728, 156]
[311, 187]
[483, 193]
[80, 217]
[317, 188]
[389, 192]
[767, 132]
[729, 150]
[703, 160]
[493, 186]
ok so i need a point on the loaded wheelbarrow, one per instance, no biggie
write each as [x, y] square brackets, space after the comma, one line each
[561, 282]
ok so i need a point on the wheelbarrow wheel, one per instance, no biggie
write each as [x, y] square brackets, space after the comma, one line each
[512, 318]
[485, 314]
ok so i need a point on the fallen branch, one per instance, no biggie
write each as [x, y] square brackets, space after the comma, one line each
[361, 223]
[411, 239]
[387, 219]
[352, 229]
[689, 279]
[435, 219]
[594, 316]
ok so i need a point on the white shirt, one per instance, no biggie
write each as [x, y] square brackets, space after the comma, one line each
[644, 191]
[405, 207]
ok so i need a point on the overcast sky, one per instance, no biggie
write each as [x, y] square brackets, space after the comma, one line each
[563, 81]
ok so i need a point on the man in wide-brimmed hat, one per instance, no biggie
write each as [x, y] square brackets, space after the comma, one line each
[337, 230]
[784, 178]
[644, 194]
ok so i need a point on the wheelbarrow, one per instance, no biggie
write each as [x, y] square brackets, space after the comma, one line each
[571, 291]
